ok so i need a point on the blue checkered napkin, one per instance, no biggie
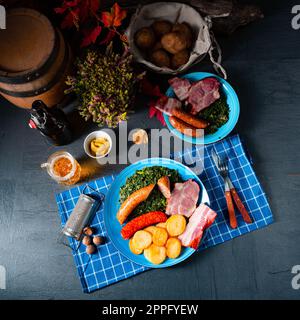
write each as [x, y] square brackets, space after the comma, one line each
[109, 266]
[246, 184]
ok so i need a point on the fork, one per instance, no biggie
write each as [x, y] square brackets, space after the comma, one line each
[230, 192]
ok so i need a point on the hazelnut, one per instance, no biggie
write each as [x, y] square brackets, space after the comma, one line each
[88, 231]
[90, 249]
[86, 240]
[98, 240]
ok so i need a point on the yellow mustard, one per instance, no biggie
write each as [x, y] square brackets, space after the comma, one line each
[99, 146]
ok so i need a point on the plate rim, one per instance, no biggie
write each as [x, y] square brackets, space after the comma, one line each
[206, 140]
[105, 217]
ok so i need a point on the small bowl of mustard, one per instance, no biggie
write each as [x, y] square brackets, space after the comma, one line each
[97, 144]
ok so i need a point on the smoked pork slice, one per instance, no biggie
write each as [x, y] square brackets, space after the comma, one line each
[203, 93]
[202, 218]
[181, 87]
[183, 199]
[167, 105]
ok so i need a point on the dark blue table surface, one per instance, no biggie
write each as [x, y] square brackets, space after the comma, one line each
[263, 64]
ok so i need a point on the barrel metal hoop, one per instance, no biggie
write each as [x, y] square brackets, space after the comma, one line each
[37, 92]
[35, 74]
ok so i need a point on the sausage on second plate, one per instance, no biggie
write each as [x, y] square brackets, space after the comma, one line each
[185, 128]
[190, 119]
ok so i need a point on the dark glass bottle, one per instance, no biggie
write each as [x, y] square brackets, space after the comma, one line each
[51, 122]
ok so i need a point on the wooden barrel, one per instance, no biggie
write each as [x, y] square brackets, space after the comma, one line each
[34, 59]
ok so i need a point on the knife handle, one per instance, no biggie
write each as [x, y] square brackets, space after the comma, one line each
[230, 207]
[240, 206]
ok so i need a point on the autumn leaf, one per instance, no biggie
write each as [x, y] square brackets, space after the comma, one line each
[114, 17]
[153, 112]
[109, 36]
[71, 19]
[91, 36]
[66, 5]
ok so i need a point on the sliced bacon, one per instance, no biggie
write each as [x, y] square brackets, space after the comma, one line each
[167, 105]
[202, 218]
[203, 93]
[183, 199]
[164, 186]
[181, 87]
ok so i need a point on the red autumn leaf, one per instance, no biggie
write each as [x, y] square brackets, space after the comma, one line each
[149, 89]
[153, 112]
[70, 19]
[109, 36]
[71, 3]
[88, 8]
[114, 17]
[94, 6]
[91, 36]
[60, 10]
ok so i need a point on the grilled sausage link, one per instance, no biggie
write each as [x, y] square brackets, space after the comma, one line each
[185, 128]
[133, 201]
[190, 119]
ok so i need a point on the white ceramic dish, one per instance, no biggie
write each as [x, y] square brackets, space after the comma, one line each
[91, 137]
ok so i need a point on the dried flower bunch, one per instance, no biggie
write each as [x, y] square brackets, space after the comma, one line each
[105, 85]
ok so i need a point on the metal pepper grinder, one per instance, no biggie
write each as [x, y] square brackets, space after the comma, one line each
[52, 123]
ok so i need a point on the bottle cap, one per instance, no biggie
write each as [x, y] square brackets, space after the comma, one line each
[32, 124]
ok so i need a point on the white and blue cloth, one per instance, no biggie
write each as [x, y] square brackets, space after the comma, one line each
[109, 266]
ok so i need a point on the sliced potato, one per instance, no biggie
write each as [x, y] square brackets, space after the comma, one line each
[142, 239]
[162, 225]
[173, 248]
[150, 229]
[176, 225]
[133, 248]
[155, 254]
[160, 236]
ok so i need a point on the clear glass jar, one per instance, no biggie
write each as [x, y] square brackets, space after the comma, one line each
[63, 168]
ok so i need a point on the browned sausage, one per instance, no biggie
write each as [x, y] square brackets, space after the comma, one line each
[164, 186]
[133, 201]
[190, 119]
[185, 128]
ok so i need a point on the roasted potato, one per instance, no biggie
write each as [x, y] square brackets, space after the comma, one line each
[161, 27]
[160, 58]
[186, 31]
[150, 229]
[176, 225]
[174, 42]
[155, 254]
[157, 46]
[162, 225]
[145, 38]
[142, 240]
[160, 236]
[133, 248]
[179, 59]
[173, 247]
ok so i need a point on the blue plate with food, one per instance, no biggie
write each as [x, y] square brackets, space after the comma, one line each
[156, 212]
[200, 107]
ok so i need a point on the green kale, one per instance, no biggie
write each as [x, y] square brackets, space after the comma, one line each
[217, 114]
[142, 178]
